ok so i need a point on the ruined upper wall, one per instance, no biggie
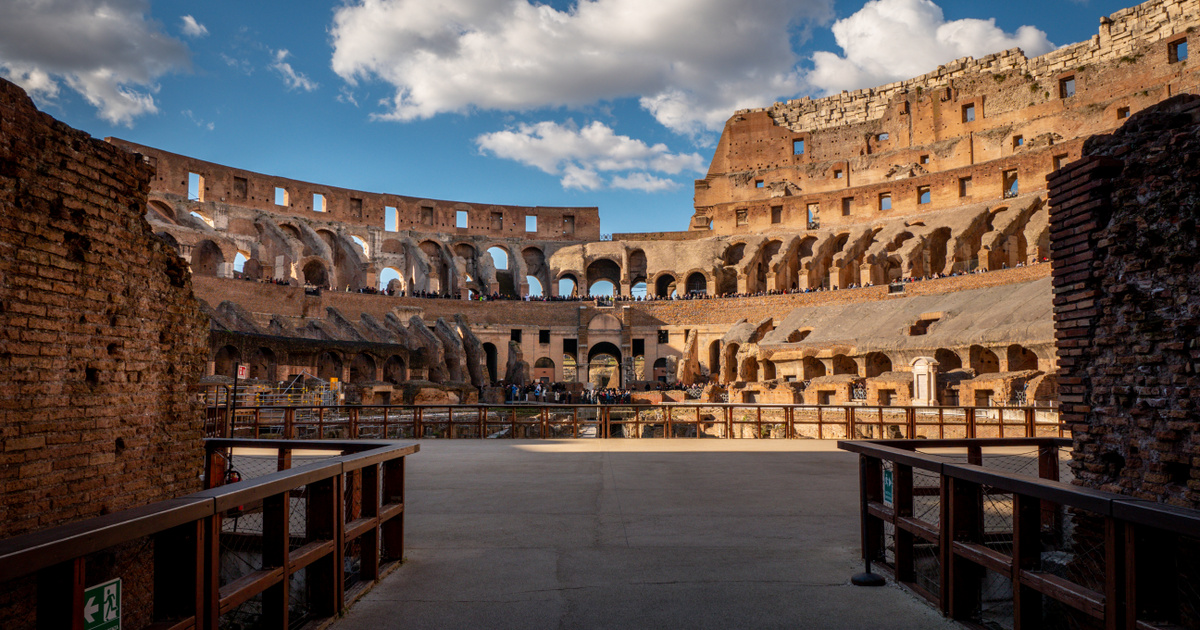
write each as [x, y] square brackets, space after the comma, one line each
[1119, 33]
[100, 337]
[258, 191]
[969, 132]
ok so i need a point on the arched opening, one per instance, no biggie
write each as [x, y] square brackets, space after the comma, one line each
[603, 270]
[813, 368]
[604, 365]
[714, 358]
[362, 368]
[660, 369]
[316, 274]
[663, 284]
[391, 281]
[697, 283]
[1021, 358]
[769, 370]
[984, 361]
[207, 259]
[602, 288]
[439, 272]
[499, 257]
[239, 261]
[638, 290]
[366, 252]
[490, 354]
[204, 218]
[729, 373]
[329, 366]
[769, 251]
[566, 286]
[877, 363]
[570, 368]
[263, 364]
[947, 360]
[225, 361]
[536, 270]
[843, 364]
[543, 369]
[159, 211]
[535, 286]
[394, 370]
[750, 370]
[501, 260]
[936, 250]
[637, 266]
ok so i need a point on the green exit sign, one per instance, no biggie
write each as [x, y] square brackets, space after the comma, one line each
[102, 606]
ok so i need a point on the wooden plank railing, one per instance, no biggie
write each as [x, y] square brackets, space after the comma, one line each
[1023, 551]
[666, 420]
[353, 499]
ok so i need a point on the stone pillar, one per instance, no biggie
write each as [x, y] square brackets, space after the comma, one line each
[924, 371]
[802, 279]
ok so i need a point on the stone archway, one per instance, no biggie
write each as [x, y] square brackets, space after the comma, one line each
[604, 365]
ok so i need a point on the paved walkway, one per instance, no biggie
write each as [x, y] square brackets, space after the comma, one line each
[633, 534]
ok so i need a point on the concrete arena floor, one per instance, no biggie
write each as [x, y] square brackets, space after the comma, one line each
[633, 534]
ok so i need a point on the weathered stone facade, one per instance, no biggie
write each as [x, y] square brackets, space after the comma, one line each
[1127, 304]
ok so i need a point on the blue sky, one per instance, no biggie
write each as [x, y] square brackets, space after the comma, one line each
[609, 103]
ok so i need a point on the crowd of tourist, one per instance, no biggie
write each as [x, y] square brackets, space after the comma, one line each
[561, 393]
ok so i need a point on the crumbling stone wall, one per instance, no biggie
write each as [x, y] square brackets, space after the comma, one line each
[100, 336]
[1127, 305]
[949, 137]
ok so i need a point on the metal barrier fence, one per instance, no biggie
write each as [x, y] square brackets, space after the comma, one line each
[289, 546]
[987, 531]
[668, 420]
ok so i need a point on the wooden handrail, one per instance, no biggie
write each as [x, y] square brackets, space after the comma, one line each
[1136, 533]
[189, 527]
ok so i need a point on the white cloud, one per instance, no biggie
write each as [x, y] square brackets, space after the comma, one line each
[107, 50]
[294, 80]
[346, 95]
[581, 154]
[890, 40]
[644, 182]
[192, 28]
[187, 113]
[690, 62]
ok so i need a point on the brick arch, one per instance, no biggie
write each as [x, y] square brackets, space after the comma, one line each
[161, 211]
[689, 277]
[661, 289]
[309, 273]
[207, 258]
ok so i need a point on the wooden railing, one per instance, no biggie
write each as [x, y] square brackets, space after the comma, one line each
[232, 550]
[998, 548]
[666, 420]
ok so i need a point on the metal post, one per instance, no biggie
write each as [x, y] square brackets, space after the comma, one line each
[866, 578]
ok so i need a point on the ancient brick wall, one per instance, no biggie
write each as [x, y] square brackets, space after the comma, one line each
[227, 185]
[1127, 305]
[100, 336]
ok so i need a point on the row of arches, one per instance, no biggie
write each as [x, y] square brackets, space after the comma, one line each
[356, 368]
[979, 359]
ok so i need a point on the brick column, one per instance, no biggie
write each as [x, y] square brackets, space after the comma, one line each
[1079, 204]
